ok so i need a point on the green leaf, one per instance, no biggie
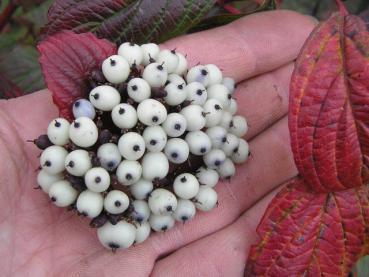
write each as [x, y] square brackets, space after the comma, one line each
[22, 68]
[3, 4]
[126, 20]
[38, 15]
[8, 40]
[362, 267]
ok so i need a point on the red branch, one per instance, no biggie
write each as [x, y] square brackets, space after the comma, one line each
[231, 9]
[7, 14]
[341, 8]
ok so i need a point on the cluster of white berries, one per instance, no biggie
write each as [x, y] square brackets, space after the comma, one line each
[141, 155]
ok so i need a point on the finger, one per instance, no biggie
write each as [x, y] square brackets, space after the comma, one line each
[221, 254]
[249, 46]
[29, 116]
[263, 100]
[31, 112]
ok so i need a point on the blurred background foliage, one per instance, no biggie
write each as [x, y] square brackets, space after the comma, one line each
[21, 22]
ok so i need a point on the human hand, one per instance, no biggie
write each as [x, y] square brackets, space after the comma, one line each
[38, 238]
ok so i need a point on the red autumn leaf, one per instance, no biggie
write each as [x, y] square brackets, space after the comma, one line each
[319, 224]
[329, 106]
[306, 233]
[127, 20]
[67, 59]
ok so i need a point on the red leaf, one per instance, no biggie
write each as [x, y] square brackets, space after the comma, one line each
[127, 20]
[311, 234]
[67, 59]
[329, 106]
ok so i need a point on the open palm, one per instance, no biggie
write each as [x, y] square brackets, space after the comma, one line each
[39, 239]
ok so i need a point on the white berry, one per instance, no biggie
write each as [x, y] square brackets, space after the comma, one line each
[62, 194]
[58, 131]
[104, 98]
[196, 93]
[239, 126]
[226, 121]
[221, 93]
[129, 172]
[182, 64]
[232, 107]
[83, 132]
[207, 177]
[230, 84]
[206, 199]
[213, 109]
[215, 75]
[120, 235]
[132, 146]
[151, 112]
[131, 52]
[115, 69]
[176, 94]
[198, 73]
[154, 165]
[138, 89]
[175, 125]
[90, 203]
[198, 142]
[45, 180]
[78, 162]
[186, 186]
[124, 116]
[140, 211]
[242, 153]
[231, 144]
[169, 59]
[227, 169]
[155, 138]
[176, 79]
[150, 53]
[109, 156]
[155, 75]
[141, 189]
[217, 135]
[214, 158]
[52, 159]
[162, 201]
[195, 117]
[185, 211]
[143, 231]
[177, 150]
[97, 179]
[116, 202]
[161, 223]
[83, 108]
